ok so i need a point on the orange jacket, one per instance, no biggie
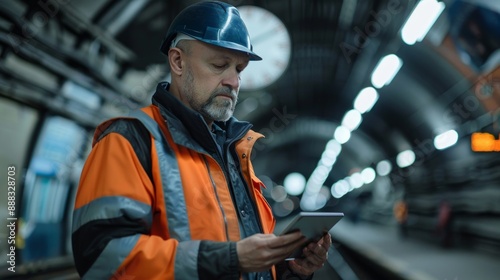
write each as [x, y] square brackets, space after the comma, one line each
[128, 223]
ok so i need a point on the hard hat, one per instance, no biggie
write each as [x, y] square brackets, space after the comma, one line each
[214, 23]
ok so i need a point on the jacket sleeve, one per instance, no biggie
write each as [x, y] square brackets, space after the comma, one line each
[112, 221]
[283, 272]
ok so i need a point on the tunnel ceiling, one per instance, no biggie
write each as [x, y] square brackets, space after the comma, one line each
[335, 46]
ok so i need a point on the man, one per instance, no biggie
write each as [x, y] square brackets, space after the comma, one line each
[169, 192]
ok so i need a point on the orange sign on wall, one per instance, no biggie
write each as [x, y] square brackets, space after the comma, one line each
[484, 142]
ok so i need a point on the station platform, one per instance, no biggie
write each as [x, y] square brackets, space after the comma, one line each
[370, 251]
[412, 257]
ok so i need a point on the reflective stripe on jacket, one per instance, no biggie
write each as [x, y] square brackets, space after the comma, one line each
[153, 229]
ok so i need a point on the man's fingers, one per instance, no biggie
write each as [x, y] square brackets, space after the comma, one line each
[327, 240]
[270, 235]
[285, 251]
[320, 249]
[315, 254]
[284, 246]
[298, 267]
[287, 240]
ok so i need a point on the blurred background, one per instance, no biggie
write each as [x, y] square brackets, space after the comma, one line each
[385, 110]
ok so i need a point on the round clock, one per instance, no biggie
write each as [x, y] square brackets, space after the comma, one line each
[270, 40]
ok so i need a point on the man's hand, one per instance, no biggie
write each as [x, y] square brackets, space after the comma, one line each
[260, 252]
[315, 255]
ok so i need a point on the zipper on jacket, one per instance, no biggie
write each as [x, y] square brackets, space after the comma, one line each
[218, 199]
[248, 184]
[249, 187]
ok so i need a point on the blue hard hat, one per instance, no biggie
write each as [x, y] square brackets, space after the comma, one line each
[214, 23]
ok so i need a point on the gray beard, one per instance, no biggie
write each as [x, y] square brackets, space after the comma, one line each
[213, 109]
[218, 110]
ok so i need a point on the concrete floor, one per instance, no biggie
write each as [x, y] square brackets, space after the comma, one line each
[416, 258]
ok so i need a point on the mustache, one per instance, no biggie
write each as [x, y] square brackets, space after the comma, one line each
[226, 91]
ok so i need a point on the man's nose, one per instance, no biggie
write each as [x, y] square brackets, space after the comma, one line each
[232, 80]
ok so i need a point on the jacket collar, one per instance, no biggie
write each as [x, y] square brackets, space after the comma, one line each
[185, 124]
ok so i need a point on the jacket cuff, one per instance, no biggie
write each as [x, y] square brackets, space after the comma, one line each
[283, 271]
[218, 260]
[234, 261]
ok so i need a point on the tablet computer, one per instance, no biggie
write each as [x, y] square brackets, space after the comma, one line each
[312, 225]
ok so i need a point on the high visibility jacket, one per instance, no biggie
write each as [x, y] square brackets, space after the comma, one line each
[161, 208]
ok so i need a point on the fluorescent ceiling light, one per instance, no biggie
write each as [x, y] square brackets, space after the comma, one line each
[385, 70]
[365, 100]
[81, 95]
[421, 20]
[446, 139]
[355, 180]
[334, 146]
[278, 193]
[340, 188]
[308, 202]
[368, 175]
[384, 168]
[405, 158]
[328, 158]
[352, 119]
[321, 172]
[294, 183]
[342, 134]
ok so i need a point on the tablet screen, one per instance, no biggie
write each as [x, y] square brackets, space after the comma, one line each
[311, 224]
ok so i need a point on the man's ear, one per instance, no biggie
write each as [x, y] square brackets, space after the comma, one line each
[175, 61]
